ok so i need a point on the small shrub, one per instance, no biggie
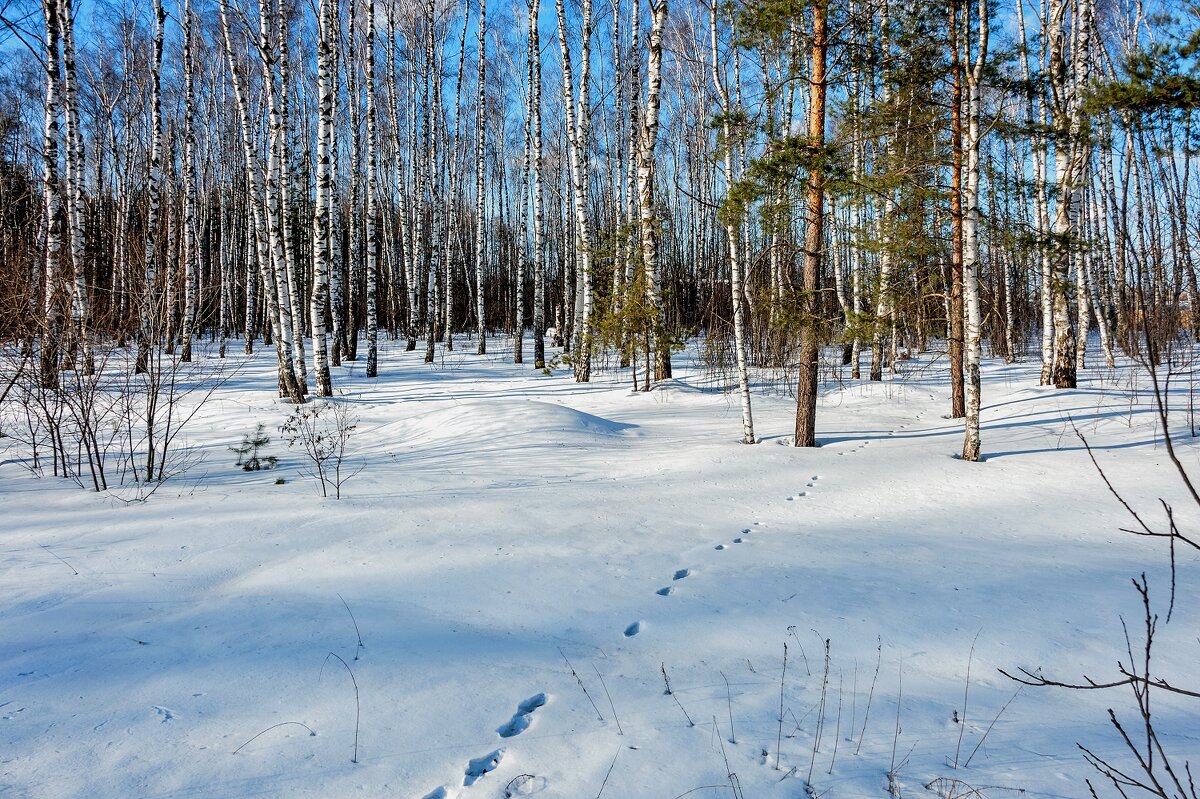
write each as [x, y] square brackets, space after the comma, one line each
[322, 430]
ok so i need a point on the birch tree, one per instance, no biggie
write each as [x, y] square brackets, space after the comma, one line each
[80, 341]
[648, 228]
[190, 255]
[289, 387]
[733, 229]
[149, 298]
[578, 132]
[321, 244]
[974, 78]
[480, 227]
[372, 369]
[1067, 75]
[539, 227]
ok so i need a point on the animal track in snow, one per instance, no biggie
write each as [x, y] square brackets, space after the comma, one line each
[482, 765]
[812, 483]
[520, 720]
[166, 713]
[719, 547]
[633, 629]
[667, 591]
[681, 573]
[854, 449]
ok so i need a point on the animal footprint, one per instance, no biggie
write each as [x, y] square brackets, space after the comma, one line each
[633, 629]
[719, 547]
[665, 591]
[681, 573]
[520, 720]
[482, 765]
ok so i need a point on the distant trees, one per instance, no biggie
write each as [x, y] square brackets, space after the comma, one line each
[286, 173]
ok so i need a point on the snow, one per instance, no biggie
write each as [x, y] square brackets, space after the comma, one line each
[526, 558]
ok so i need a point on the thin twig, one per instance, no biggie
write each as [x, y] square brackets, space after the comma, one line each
[604, 685]
[993, 724]
[357, 705]
[896, 737]
[675, 697]
[575, 674]
[55, 554]
[779, 734]
[729, 705]
[355, 623]
[511, 787]
[728, 771]
[1038, 681]
[804, 657]
[698, 788]
[870, 694]
[962, 722]
[820, 717]
[311, 732]
[837, 732]
[611, 766]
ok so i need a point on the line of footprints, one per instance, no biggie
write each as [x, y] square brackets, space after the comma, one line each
[680, 574]
[481, 766]
[810, 484]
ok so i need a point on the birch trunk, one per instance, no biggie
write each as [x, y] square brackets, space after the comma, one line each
[276, 254]
[578, 127]
[148, 304]
[957, 398]
[80, 336]
[283, 162]
[645, 179]
[372, 203]
[189, 181]
[52, 200]
[971, 444]
[1041, 205]
[1067, 76]
[732, 236]
[288, 385]
[320, 223]
[428, 160]
[480, 227]
[539, 226]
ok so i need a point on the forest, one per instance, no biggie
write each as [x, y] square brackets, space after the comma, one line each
[770, 179]
[476, 291]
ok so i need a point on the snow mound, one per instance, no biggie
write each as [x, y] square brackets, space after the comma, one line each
[524, 420]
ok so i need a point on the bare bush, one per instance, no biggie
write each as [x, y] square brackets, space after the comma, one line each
[321, 431]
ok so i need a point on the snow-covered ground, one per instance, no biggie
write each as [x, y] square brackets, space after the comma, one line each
[524, 557]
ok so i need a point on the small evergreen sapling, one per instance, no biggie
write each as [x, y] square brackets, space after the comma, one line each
[248, 452]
